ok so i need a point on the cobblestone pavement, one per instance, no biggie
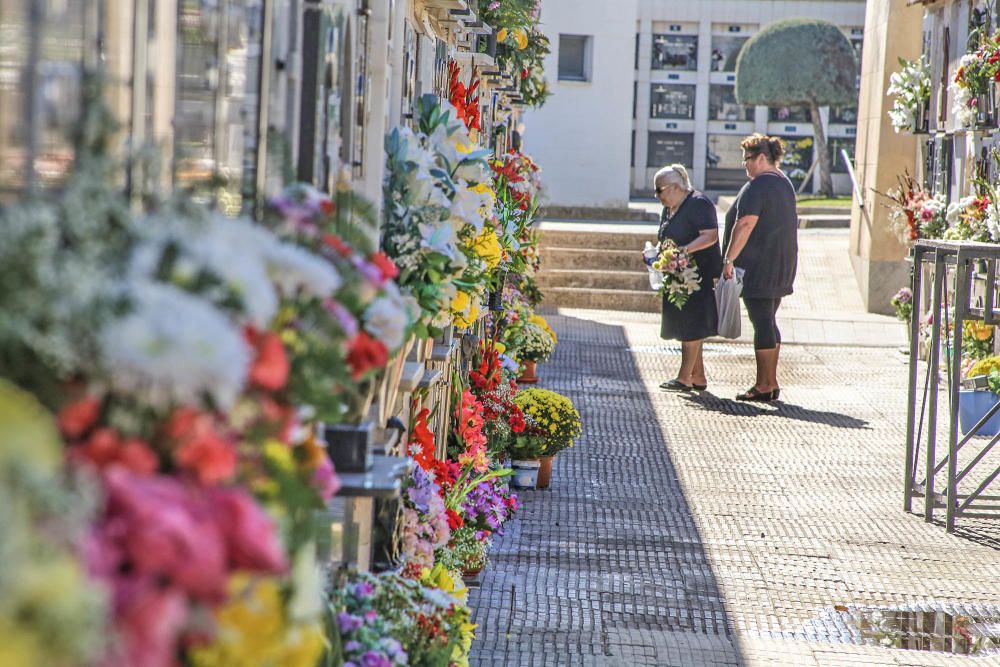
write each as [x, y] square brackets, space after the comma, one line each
[689, 530]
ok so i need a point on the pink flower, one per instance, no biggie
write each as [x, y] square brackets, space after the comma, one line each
[77, 417]
[325, 479]
[926, 214]
[250, 536]
[167, 532]
[682, 263]
[149, 617]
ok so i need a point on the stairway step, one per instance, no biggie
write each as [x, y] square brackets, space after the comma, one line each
[824, 221]
[603, 299]
[592, 259]
[625, 237]
[589, 278]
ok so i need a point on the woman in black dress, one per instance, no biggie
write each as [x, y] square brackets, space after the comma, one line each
[689, 219]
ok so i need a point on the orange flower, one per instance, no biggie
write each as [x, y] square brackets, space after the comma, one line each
[105, 447]
[271, 366]
[78, 417]
[366, 353]
[200, 449]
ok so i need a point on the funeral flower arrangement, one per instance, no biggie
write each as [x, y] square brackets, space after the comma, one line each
[914, 214]
[910, 89]
[977, 71]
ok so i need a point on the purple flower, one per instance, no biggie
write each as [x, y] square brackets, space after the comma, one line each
[371, 617]
[352, 646]
[348, 622]
[363, 590]
[375, 659]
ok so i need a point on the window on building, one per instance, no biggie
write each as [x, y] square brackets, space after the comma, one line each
[669, 148]
[722, 104]
[724, 162]
[835, 144]
[789, 115]
[675, 52]
[845, 115]
[797, 160]
[574, 57]
[671, 100]
[725, 50]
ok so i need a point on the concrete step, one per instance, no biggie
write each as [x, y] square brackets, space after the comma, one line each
[825, 210]
[588, 278]
[824, 221]
[611, 239]
[647, 301]
[591, 259]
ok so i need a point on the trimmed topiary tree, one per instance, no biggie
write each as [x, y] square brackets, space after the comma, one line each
[799, 62]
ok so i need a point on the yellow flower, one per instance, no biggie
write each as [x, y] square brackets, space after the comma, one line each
[461, 302]
[540, 321]
[502, 35]
[279, 454]
[487, 246]
[483, 189]
[553, 427]
[522, 38]
[253, 631]
[499, 347]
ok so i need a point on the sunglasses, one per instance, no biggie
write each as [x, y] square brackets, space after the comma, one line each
[659, 190]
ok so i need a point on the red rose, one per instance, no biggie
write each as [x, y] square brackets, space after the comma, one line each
[326, 206]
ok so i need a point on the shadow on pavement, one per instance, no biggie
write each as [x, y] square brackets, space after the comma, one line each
[711, 402]
[607, 567]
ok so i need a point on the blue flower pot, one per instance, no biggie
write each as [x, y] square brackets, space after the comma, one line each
[973, 406]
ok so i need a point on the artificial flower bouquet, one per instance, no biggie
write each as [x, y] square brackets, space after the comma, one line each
[910, 89]
[977, 72]
[466, 551]
[550, 416]
[915, 214]
[902, 302]
[672, 271]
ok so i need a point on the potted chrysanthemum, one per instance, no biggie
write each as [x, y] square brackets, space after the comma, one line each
[552, 420]
[532, 345]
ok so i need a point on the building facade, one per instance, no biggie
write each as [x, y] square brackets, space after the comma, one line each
[678, 59]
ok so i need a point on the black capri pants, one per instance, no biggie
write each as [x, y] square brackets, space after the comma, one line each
[762, 313]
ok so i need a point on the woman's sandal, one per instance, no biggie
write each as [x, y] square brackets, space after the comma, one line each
[700, 387]
[752, 394]
[676, 385]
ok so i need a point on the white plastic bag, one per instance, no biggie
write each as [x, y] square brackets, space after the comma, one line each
[727, 300]
[649, 255]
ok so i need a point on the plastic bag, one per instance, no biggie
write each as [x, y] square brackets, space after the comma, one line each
[649, 255]
[727, 300]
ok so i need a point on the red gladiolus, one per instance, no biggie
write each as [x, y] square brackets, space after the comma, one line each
[365, 354]
[455, 520]
[385, 265]
[78, 417]
[337, 244]
[105, 447]
[271, 366]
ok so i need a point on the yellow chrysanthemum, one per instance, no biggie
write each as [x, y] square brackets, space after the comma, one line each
[461, 302]
[541, 321]
[502, 35]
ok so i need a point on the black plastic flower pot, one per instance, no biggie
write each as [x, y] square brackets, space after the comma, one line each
[349, 446]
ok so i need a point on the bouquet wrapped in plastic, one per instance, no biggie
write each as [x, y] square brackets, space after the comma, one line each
[672, 271]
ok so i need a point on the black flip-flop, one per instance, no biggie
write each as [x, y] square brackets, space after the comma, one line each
[753, 395]
[676, 385]
[700, 387]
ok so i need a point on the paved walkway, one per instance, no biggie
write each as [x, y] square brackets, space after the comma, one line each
[689, 530]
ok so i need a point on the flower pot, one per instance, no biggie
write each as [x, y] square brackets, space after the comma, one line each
[349, 446]
[525, 474]
[972, 406]
[528, 374]
[495, 299]
[544, 473]
[471, 572]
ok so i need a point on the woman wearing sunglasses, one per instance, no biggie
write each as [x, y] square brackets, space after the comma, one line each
[689, 219]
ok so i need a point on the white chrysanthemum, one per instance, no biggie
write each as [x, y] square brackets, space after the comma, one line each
[174, 347]
[292, 268]
[231, 249]
[386, 319]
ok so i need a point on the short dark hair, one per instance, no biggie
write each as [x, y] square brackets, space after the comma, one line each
[773, 148]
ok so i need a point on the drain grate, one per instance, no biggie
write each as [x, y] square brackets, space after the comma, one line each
[945, 628]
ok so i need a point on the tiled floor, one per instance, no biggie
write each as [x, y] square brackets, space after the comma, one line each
[689, 530]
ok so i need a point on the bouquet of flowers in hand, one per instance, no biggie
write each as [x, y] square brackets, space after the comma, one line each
[672, 271]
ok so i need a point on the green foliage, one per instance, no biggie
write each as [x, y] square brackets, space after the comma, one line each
[796, 62]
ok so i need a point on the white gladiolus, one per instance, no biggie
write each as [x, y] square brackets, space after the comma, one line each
[173, 348]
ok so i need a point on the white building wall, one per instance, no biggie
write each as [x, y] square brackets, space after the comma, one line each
[583, 133]
[580, 134]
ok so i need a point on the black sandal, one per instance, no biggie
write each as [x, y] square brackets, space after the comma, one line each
[676, 385]
[700, 387]
[753, 395]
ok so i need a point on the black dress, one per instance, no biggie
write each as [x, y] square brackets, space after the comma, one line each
[698, 318]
